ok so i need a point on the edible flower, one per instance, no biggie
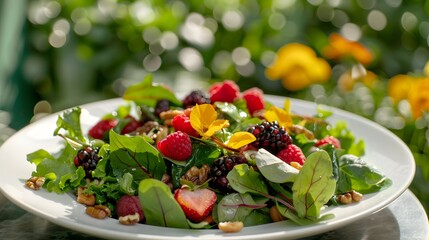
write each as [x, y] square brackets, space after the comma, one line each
[298, 66]
[204, 120]
[283, 117]
[340, 48]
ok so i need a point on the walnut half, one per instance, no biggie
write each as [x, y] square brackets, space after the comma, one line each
[35, 183]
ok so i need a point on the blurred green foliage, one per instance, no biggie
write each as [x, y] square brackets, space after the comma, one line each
[81, 51]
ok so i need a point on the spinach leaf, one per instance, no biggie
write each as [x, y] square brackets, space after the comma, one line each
[136, 156]
[273, 168]
[244, 179]
[357, 175]
[159, 206]
[236, 207]
[314, 185]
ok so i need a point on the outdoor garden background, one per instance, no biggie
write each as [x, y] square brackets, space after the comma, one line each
[366, 56]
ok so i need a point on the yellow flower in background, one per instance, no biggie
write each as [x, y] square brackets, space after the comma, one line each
[340, 48]
[399, 86]
[418, 97]
[349, 78]
[298, 66]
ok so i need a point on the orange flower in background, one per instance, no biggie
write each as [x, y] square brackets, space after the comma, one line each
[418, 97]
[349, 78]
[399, 86]
[298, 67]
[340, 48]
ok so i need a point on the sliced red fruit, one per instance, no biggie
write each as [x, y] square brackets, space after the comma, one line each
[254, 99]
[196, 204]
[98, 130]
[227, 91]
[328, 140]
[131, 126]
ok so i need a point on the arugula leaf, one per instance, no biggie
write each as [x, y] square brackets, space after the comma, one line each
[236, 207]
[59, 172]
[357, 175]
[70, 122]
[273, 168]
[159, 206]
[136, 156]
[244, 179]
[148, 93]
[314, 185]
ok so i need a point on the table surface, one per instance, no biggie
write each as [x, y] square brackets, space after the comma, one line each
[405, 218]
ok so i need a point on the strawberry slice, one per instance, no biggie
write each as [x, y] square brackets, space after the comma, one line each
[196, 204]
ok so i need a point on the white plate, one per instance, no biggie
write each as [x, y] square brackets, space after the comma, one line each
[383, 150]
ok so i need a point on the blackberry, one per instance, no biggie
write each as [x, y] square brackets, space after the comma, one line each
[88, 159]
[271, 136]
[162, 106]
[195, 97]
[220, 168]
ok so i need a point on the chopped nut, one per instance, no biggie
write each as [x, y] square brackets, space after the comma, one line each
[35, 183]
[98, 211]
[230, 227]
[356, 196]
[275, 214]
[167, 116]
[167, 180]
[197, 175]
[296, 165]
[87, 199]
[345, 198]
[130, 219]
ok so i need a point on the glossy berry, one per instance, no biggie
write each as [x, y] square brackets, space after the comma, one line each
[176, 146]
[103, 126]
[254, 99]
[195, 97]
[292, 153]
[129, 205]
[183, 123]
[328, 140]
[270, 136]
[87, 158]
[226, 91]
[196, 204]
[131, 126]
[221, 167]
[161, 106]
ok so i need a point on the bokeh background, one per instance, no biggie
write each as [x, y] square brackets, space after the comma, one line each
[366, 56]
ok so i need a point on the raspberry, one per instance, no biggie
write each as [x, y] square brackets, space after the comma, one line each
[87, 158]
[176, 146]
[328, 140]
[271, 136]
[226, 91]
[131, 126]
[183, 123]
[101, 128]
[254, 99]
[195, 97]
[221, 167]
[292, 153]
[129, 205]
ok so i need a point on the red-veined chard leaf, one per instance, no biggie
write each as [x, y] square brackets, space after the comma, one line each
[148, 93]
[159, 206]
[236, 207]
[136, 156]
[244, 179]
[70, 122]
[314, 185]
[291, 215]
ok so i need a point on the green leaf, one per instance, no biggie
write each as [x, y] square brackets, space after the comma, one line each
[159, 206]
[136, 156]
[229, 109]
[314, 186]
[70, 122]
[257, 217]
[244, 179]
[236, 207]
[359, 176]
[289, 214]
[148, 93]
[273, 168]
[59, 171]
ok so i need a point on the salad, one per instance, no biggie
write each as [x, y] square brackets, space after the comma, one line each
[220, 158]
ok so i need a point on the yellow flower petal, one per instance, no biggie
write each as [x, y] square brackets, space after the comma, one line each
[281, 116]
[240, 139]
[202, 116]
[214, 127]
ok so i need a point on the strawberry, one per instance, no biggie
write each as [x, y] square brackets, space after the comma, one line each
[183, 123]
[129, 205]
[196, 204]
[292, 153]
[328, 140]
[99, 129]
[176, 146]
[254, 99]
[227, 91]
[131, 126]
